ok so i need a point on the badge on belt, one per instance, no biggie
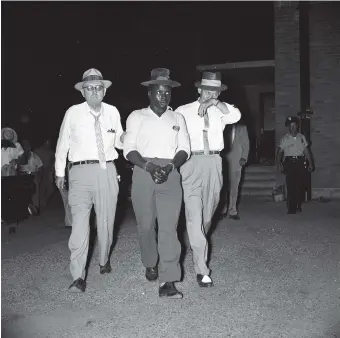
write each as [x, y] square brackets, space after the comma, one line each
[176, 128]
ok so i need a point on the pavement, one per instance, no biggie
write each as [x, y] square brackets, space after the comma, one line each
[275, 275]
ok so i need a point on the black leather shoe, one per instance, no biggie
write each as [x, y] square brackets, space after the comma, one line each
[235, 217]
[78, 285]
[204, 284]
[169, 290]
[151, 274]
[105, 269]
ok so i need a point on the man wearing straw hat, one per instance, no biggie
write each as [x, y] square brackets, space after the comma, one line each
[157, 143]
[202, 174]
[11, 151]
[89, 133]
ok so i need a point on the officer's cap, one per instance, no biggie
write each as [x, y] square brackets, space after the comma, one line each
[291, 119]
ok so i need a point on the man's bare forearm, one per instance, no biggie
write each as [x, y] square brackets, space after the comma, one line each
[179, 158]
[279, 157]
[136, 158]
[222, 107]
[308, 155]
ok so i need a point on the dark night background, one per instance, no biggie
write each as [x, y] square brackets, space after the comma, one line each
[46, 47]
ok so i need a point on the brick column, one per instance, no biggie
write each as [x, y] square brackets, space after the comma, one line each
[325, 96]
[287, 67]
[287, 64]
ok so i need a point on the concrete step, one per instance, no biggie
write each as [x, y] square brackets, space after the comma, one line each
[253, 184]
[263, 192]
[259, 176]
[256, 168]
[258, 180]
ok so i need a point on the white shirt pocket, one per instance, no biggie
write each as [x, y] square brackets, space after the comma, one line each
[110, 137]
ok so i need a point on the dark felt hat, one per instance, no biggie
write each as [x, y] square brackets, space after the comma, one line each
[161, 76]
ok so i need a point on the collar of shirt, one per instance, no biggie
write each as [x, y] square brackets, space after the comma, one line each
[151, 111]
[101, 112]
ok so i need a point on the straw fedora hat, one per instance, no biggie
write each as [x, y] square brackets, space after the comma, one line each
[211, 81]
[95, 76]
[9, 134]
[161, 76]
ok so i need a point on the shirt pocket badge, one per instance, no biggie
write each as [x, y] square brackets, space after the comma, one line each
[176, 128]
[111, 131]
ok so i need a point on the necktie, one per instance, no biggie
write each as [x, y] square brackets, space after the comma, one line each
[205, 134]
[100, 142]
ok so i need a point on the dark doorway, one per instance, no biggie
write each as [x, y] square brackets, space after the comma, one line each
[266, 142]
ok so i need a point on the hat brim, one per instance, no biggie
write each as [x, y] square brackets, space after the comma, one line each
[170, 83]
[288, 123]
[15, 137]
[106, 83]
[212, 88]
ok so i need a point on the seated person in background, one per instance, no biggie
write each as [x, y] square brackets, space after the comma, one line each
[11, 151]
[33, 167]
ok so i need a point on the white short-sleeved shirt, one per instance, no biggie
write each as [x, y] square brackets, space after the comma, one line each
[9, 154]
[217, 123]
[77, 135]
[156, 136]
[293, 146]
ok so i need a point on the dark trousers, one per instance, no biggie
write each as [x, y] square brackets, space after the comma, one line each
[294, 169]
[163, 202]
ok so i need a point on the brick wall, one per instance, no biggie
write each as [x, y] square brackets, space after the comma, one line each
[325, 82]
[287, 64]
[287, 68]
[325, 92]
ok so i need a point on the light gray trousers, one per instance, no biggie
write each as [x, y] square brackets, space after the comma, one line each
[234, 181]
[90, 185]
[163, 202]
[202, 182]
[67, 208]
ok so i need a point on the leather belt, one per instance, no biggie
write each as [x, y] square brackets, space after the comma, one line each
[295, 159]
[86, 162]
[201, 152]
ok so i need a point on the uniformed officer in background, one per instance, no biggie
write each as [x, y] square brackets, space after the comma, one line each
[294, 148]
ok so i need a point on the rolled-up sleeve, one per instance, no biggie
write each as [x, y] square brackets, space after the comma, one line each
[133, 123]
[233, 116]
[63, 146]
[183, 136]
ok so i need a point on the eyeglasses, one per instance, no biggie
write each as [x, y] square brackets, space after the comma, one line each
[94, 88]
